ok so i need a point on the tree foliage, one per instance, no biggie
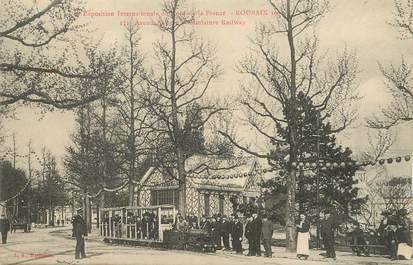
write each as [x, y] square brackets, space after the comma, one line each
[277, 74]
[399, 79]
[317, 143]
[40, 54]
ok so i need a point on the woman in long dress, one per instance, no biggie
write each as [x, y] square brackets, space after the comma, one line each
[303, 250]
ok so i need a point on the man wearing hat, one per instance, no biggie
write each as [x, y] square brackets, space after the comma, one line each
[80, 232]
[4, 228]
[249, 236]
[236, 233]
[267, 231]
[225, 231]
[327, 233]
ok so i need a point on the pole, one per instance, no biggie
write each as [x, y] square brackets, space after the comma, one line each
[318, 184]
[16, 200]
[14, 151]
[30, 193]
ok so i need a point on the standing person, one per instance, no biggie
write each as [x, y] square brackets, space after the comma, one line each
[267, 231]
[404, 243]
[225, 231]
[202, 222]
[303, 236]
[358, 240]
[80, 232]
[249, 236]
[206, 225]
[215, 233]
[392, 240]
[327, 233]
[145, 226]
[236, 234]
[231, 225]
[4, 228]
[256, 233]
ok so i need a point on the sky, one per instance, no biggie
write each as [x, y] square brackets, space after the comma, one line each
[359, 25]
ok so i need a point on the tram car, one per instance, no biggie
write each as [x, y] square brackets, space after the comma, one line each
[151, 226]
[193, 240]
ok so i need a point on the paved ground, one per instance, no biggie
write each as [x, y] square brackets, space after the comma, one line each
[54, 246]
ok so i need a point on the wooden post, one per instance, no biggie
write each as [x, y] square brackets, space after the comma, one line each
[160, 235]
[110, 224]
[141, 221]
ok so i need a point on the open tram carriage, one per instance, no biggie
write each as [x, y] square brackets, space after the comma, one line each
[152, 226]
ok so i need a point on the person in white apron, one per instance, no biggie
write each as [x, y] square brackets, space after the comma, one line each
[303, 227]
[404, 243]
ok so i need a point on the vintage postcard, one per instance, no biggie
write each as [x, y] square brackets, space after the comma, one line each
[206, 132]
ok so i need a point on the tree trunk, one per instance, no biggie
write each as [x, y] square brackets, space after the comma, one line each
[290, 212]
[89, 215]
[97, 215]
[292, 107]
[131, 193]
[182, 184]
[101, 204]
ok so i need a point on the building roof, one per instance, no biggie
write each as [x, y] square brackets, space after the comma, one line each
[208, 172]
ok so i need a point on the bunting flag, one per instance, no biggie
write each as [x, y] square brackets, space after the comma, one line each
[329, 165]
[306, 165]
[309, 166]
[17, 194]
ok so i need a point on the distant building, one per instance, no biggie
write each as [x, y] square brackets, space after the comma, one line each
[387, 185]
[209, 188]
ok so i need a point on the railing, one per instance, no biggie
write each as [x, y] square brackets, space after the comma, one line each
[137, 223]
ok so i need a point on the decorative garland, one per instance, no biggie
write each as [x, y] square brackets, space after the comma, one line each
[3, 203]
[301, 165]
[325, 165]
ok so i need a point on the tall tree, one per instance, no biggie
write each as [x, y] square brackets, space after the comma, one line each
[183, 71]
[278, 73]
[398, 77]
[135, 130]
[50, 192]
[92, 158]
[335, 185]
[12, 182]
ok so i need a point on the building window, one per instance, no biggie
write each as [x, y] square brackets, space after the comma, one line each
[221, 204]
[207, 204]
[159, 197]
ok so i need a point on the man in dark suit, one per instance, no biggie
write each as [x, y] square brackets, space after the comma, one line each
[327, 233]
[267, 231]
[249, 236]
[392, 240]
[80, 232]
[256, 226]
[145, 225]
[218, 231]
[4, 228]
[236, 233]
[225, 231]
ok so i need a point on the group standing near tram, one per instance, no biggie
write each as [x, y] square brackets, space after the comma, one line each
[228, 232]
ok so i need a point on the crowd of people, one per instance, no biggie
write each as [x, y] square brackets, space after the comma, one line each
[228, 231]
[395, 235]
[143, 228]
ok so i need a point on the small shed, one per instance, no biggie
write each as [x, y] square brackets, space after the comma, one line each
[211, 183]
